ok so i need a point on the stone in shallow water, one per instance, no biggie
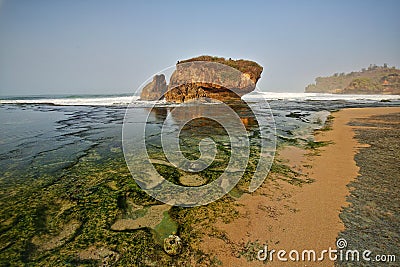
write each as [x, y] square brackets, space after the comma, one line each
[192, 180]
[173, 245]
[107, 257]
[151, 219]
[47, 242]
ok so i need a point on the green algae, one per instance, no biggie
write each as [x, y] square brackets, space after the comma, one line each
[76, 208]
[236, 192]
[166, 227]
[289, 175]
[317, 144]
[94, 193]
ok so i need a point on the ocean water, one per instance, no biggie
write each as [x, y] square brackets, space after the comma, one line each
[62, 166]
[46, 134]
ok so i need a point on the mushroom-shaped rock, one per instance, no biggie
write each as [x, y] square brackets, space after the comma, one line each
[212, 77]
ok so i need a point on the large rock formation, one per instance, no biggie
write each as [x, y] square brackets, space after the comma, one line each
[154, 90]
[212, 77]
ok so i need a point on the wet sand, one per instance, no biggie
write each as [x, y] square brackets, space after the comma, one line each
[292, 217]
[373, 217]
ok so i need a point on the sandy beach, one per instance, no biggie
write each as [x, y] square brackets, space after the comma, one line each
[298, 215]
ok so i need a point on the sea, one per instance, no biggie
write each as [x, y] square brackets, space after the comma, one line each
[66, 177]
[42, 135]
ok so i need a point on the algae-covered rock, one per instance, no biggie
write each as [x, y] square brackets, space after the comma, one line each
[173, 245]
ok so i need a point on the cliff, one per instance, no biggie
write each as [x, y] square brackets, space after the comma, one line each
[374, 80]
[203, 77]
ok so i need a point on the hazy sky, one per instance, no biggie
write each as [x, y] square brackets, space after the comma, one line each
[92, 46]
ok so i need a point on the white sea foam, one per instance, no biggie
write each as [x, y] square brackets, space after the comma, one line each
[125, 100]
[78, 101]
[318, 96]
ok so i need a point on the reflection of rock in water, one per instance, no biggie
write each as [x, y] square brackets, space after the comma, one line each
[206, 152]
[159, 113]
[248, 121]
[197, 126]
[244, 112]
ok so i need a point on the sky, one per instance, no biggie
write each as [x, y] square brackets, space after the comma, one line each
[107, 47]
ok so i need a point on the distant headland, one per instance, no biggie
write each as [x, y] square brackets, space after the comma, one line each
[372, 80]
[191, 80]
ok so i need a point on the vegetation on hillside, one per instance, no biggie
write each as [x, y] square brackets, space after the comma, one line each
[373, 80]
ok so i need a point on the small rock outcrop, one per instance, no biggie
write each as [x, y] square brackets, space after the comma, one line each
[154, 90]
[201, 77]
[172, 245]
